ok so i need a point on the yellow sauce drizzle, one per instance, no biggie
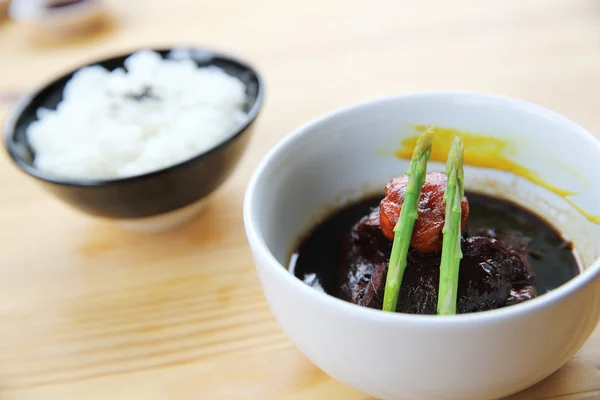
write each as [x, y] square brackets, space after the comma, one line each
[485, 152]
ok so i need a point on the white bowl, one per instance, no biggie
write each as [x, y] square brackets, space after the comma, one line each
[484, 355]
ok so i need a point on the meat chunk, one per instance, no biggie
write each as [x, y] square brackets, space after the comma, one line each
[513, 240]
[364, 257]
[491, 274]
[427, 232]
[519, 243]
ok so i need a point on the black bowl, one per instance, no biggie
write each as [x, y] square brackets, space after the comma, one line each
[149, 194]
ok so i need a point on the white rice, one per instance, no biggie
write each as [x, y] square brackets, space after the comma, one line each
[99, 131]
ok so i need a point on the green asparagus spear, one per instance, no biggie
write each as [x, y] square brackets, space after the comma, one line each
[406, 221]
[451, 251]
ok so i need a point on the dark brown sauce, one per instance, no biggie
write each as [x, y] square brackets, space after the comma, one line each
[551, 257]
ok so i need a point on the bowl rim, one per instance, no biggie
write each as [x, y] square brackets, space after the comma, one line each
[274, 267]
[25, 100]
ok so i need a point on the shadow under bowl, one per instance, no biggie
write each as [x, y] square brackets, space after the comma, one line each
[176, 189]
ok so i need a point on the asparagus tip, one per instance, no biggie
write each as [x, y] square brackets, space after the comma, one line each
[426, 137]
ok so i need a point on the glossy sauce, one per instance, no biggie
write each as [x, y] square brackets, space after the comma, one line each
[552, 258]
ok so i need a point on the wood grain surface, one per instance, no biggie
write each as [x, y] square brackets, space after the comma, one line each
[88, 311]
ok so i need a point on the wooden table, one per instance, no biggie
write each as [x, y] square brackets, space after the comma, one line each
[88, 311]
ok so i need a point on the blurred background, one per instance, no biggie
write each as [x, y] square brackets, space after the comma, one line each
[545, 51]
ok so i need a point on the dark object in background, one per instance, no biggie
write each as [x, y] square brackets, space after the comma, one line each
[55, 19]
[62, 3]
